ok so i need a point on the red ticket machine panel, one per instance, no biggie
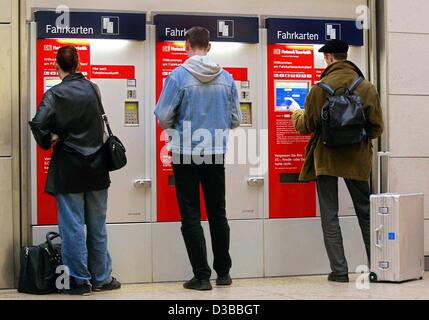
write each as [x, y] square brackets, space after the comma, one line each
[170, 54]
[294, 65]
[290, 77]
[84, 29]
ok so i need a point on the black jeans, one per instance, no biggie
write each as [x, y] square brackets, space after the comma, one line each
[188, 175]
[327, 190]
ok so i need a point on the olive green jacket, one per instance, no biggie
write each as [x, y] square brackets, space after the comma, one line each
[352, 161]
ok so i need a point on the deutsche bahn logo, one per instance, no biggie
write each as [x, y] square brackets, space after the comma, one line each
[225, 28]
[110, 25]
[333, 31]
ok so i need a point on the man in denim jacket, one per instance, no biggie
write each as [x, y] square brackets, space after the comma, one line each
[198, 105]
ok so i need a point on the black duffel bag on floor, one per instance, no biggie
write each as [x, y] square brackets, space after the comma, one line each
[38, 267]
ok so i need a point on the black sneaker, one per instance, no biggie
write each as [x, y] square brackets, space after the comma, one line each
[224, 280]
[338, 278]
[196, 284]
[84, 289]
[112, 285]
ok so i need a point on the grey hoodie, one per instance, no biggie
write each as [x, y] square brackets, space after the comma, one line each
[202, 68]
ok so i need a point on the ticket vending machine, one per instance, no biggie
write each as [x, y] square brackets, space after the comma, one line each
[293, 235]
[236, 48]
[114, 54]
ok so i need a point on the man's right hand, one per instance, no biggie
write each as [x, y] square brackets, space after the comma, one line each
[54, 139]
[294, 106]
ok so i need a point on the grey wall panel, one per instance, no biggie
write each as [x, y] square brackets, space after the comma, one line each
[171, 263]
[407, 70]
[290, 251]
[408, 16]
[247, 245]
[129, 247]
[40, 232]
[6, 225]
[408, 119]
[6, 11]
[5, 90]
[170, 260]
[409, 175]
[404, 34]
[426, 237]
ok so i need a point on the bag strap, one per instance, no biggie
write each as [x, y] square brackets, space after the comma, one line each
[326, 87]
[350, 89]
[313, 140]
[317, 133]
[101, 109]
[355, 84]
[49, 237]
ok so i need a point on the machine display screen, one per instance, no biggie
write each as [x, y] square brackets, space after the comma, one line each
[51, 82]
[289, 91]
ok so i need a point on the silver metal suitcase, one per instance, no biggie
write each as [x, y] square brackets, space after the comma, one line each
[397, 237]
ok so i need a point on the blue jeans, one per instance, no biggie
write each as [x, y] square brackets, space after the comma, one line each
[86, 256]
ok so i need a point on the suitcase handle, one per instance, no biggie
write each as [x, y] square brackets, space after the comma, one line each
[380, 155]
[378, 243]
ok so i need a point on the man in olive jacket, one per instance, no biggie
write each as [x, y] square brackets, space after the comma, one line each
[351, 162]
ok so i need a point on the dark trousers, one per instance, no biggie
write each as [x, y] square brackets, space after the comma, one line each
[327, 190]
[188, 177]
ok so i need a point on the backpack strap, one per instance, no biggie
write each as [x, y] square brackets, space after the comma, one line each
[355, 84]
[326, 87]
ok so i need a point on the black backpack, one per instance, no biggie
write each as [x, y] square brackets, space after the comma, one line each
[38, 266]
[343, 120]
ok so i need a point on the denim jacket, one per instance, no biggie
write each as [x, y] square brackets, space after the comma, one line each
[198, 105]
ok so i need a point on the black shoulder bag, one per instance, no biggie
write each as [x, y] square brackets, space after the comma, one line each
[115, 150]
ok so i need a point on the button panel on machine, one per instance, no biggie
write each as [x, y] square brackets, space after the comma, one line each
[245, 103]
[246, 112]
[131, 113]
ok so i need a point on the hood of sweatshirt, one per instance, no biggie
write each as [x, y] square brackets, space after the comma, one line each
[202, 68]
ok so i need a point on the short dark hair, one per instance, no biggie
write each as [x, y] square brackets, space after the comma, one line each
[68, 59]
[198, 37]
[340, 56]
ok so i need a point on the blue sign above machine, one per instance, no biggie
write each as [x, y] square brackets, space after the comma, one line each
[93, 25]
[310, 31]
[172, 27]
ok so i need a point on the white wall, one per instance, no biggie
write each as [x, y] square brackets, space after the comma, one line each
[407, 88]
[6, 11]
[314, 8]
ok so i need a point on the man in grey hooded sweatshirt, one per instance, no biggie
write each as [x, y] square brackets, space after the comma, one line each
[198, 105]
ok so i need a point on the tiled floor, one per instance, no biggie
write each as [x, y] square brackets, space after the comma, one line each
[316, 287]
